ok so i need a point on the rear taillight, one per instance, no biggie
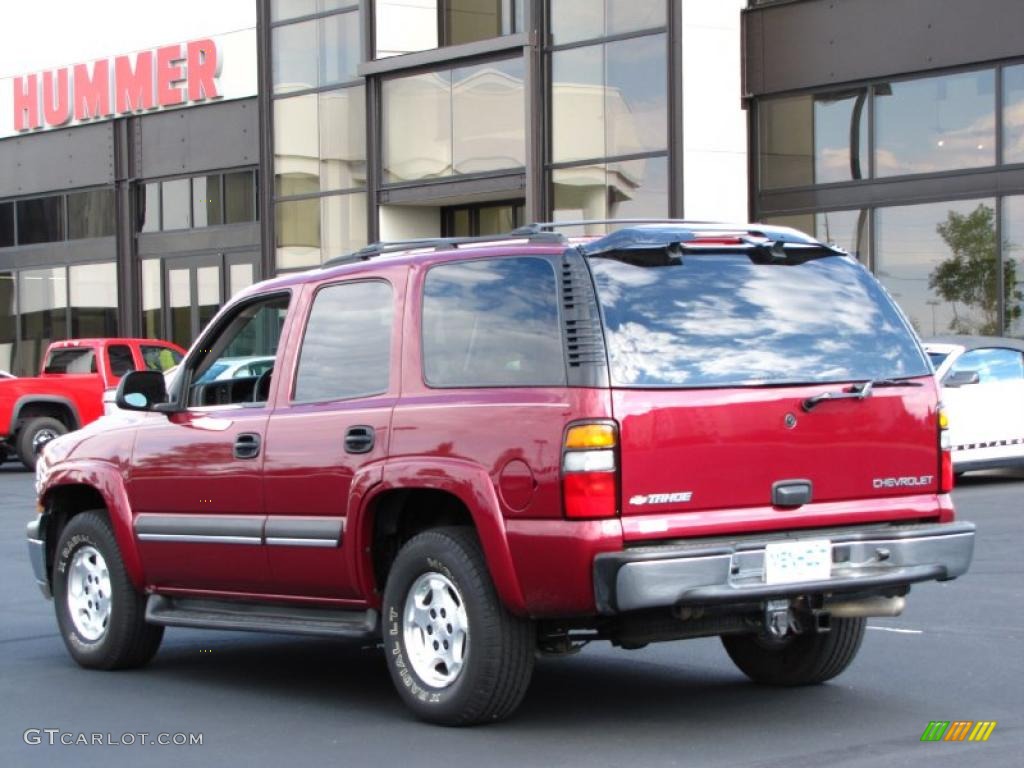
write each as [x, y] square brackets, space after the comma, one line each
[590, 477]
[945, 453]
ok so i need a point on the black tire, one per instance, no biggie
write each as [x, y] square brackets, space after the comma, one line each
[126, 640]
[28, 433]
[797, 660]
[499, 651]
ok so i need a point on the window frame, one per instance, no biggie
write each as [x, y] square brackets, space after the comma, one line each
[201, 349]
[292, 400]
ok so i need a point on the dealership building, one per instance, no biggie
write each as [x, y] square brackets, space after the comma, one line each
[141, 189]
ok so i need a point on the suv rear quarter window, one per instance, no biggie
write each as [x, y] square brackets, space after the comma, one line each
[120, 358]
[492, 323]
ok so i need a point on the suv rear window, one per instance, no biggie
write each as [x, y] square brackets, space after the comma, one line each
[492, 323]
[722, 320]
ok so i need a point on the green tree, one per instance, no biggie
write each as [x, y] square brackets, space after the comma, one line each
[968, 276]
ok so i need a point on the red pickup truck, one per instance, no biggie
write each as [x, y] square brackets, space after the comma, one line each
[68, 392]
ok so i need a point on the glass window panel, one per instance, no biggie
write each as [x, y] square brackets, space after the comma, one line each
[208, 288]
[40, 220]
[404, 26]
[578, 104]
[152, 300]
[179, 297]
[120, 359]
[6, 225]
[938, 260]
[342, 224]
[8, 315]
[489, 117]
[850, 230]
[177, 204]
[93, 293]
[840, 137]
[346, 349]
[991, 364]
[461, 223]
[497, 219]
[631, 15]
[786, 132]
[298, 233]
[71, 360]
[290, 9]
[343, 138]
[149, 207]
[935, 124]
[42, 304]
[1013, 114]
[294, 57]
[1013, 265]
[624, 189]
[417, 116]
[339, 48]
[467, 21]
[206, 202]
[638, 189]
[252, 331]
[573, 20]
[296, 145]
[492, 322]
[159, 358]
[91, 214]
[239, 197]
[240, 277]
[636, 95]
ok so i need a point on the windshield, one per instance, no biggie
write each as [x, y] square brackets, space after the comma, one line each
[721, 320]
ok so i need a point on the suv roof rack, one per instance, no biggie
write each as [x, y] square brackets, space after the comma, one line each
[442, 244]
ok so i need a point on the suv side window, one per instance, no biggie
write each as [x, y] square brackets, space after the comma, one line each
[120, 357]
[253, 331]
[159, 358]
[346, 350]
[492, 323]
[993, 364]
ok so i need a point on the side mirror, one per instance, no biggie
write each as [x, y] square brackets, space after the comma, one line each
[141, 391]
[961, 379]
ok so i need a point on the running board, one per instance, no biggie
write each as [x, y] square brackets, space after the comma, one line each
[260, 617]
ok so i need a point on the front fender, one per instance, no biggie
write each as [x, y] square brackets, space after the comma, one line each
[107, 480]
[467, 481]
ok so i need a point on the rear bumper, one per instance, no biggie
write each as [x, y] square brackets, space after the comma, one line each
[717, 572]
[37, 556]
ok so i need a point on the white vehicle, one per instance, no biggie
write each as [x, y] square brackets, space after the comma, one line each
[982, 380]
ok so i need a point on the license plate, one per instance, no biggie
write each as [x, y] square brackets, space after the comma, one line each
[791, 561]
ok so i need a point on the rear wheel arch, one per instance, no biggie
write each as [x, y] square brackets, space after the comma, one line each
[394, 514]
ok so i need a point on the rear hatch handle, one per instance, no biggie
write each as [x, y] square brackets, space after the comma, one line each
[856, 391]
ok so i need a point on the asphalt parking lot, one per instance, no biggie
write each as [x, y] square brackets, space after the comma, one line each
[957, 653]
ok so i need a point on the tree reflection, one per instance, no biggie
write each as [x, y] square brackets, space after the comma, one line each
[968, 276]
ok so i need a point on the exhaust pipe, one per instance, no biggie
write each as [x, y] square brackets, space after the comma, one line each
[871, 606]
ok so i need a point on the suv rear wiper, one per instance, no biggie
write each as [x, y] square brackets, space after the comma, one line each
[857, 391]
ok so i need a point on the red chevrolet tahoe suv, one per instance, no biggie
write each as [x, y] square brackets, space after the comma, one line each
[474, 451]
